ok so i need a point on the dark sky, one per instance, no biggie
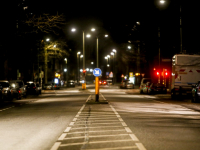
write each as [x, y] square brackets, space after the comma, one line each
[115, 15]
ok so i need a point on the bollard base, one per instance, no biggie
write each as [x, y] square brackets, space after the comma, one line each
[97, 98]
[83, 86]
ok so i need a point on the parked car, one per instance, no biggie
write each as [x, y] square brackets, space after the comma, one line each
[19, 89]
[48, 86]
[33, 88]
[6, 91]
[154, 88]
[71, 83]
[126, 84]
[143, 83]
[196, 93]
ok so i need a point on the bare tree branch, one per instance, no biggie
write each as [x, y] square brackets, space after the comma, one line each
[46, 23]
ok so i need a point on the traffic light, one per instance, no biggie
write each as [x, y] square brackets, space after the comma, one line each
[84, 72]
[166, 73]
[157, 73]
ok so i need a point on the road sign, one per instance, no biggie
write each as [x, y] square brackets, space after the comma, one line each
[97, 72]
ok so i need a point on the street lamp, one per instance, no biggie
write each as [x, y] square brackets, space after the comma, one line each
[45, 61]
[78, 78]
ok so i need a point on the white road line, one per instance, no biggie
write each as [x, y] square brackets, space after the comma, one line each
[120, 119]
[95, 142]
[100, 123]
[115, 148]
[67, 129]
[7, 108]
[124, 124]
[88, 98]
[75, 119]
[95, 136]
[71, 123]
[133, 137]
[56, 146]
[62, 137]
[103, 97]
[96, 131]
[128, 130]
[140, 146]
[96, 127]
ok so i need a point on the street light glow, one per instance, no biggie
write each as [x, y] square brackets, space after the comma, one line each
[79, 53]
[88, 35]
[114, 50]
[112, 53]
[106, 57]
[162, 1]
[48, 40]
[81, 56]
[129, 47]
[73, 30]
[106, 35]
[93, 29]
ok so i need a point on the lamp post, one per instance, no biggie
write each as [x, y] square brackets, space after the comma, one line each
[45, 61]
[78, 78]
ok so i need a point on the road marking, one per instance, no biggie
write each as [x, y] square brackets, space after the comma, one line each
[95, 136]
[95, 142]
[124, 124]
[120, 119]
[7, 108]
[62, 137]
[140, 146]
[95, 131]
[134, 138]
[56, 146]
[103, 97]
[115, 148]
[128, 130]
[88, 99]
[71, 123]
[67, 129]
[97, 127]
[74, 119]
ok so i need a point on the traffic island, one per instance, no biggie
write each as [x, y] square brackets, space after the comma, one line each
[91, 100]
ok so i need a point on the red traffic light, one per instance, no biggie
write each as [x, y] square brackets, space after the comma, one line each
[84, 71]
[157, 73]
[166, 73]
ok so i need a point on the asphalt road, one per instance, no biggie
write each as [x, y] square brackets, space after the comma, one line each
[123, 119]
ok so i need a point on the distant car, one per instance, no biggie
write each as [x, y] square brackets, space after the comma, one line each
[196, 93]
[126, 84]
[48, 86]
[19, 89]
[154, 88]
[6, 91]
[33, 88]
[71, 83]
[143, 83]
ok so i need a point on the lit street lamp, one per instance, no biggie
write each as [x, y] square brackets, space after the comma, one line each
[78, 78]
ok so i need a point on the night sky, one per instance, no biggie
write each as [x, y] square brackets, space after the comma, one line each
[114, 16]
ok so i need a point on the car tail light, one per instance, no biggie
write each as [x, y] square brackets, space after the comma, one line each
[55, 85]
[104, 82]
[19, 91]
[34, 87]
[99, 82]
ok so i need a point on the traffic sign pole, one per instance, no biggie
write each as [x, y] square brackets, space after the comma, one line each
[96, 89]
[97, 73]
